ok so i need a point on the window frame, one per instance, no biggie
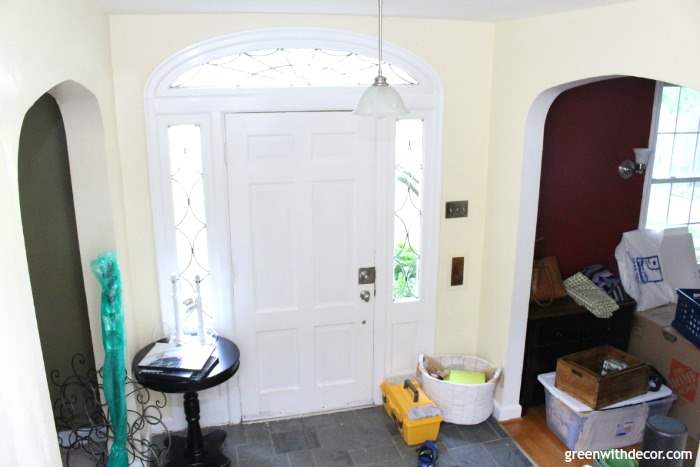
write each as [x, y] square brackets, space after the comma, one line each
[648, 175]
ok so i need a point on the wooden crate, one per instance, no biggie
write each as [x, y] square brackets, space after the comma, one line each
[579, 374]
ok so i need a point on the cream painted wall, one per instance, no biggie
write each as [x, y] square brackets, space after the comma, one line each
[43, 44]
[459, 51]
[645, 38]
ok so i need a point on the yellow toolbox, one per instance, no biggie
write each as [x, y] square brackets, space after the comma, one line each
[399, 400]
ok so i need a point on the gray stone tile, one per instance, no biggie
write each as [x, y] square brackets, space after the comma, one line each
[298, 440]
[258, 455]
[374, 416]
[374, 455]
[353, 437]
[395, 463]
[320, 421]
[281, 426]
[493, 423]
[467, 456]
[391, 428]
[301, 459]
[345, 418]
[452, 436]
[337, 438]
[235, 435]
[257, 433]
[480, 433]
[506, 453]
[409, 452]
[372, 436]
[365, 437]
[331, 457]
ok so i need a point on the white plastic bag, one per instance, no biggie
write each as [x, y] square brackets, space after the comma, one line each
[654, 263]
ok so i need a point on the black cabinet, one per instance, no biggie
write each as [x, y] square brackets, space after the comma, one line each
[563, 328]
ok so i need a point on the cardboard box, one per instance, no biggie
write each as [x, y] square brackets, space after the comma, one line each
[676, 358]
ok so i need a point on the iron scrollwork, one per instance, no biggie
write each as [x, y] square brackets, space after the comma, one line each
[82, 419]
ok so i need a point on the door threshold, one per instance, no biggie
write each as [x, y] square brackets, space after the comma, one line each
[367, 405]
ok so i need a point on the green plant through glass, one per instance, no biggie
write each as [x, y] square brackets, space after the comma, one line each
[408, 175]
[405, 272]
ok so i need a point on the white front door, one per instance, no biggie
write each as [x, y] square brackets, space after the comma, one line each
[302, 214]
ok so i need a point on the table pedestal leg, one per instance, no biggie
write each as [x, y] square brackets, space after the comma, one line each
[196, 450]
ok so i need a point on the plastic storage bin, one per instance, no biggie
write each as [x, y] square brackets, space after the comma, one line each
[687, 319]
[595, 430]
[398, 401]
[462, 404]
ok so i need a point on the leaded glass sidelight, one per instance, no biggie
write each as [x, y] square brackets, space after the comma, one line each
[289, 68]
[189, 213]
[408, 221]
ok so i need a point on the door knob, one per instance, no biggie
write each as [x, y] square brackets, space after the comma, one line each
[365, 295]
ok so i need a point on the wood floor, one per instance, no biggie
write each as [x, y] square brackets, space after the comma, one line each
[533, 436]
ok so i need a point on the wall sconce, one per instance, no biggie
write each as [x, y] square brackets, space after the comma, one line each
[628, 168]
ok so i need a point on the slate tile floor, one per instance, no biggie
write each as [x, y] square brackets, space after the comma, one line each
[364, 437]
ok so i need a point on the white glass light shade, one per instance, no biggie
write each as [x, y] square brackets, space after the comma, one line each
[641, 155]
[380, 100]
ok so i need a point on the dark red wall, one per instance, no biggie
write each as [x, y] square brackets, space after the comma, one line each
[584, 205]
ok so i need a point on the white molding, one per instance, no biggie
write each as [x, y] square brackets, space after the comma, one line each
[652, 145]
[506, 412]
[525, 238]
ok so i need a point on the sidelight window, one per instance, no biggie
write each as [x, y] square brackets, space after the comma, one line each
[408, 209]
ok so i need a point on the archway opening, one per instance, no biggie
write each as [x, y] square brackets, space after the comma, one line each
[67, 220]
[540, 168]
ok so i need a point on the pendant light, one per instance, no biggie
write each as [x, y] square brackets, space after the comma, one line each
[380, 100]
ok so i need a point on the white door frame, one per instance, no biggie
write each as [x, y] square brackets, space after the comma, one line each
[207, 107]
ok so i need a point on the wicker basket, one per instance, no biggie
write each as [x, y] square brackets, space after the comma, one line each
[462, 404]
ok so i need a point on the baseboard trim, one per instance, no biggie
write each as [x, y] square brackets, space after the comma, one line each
[506, 412]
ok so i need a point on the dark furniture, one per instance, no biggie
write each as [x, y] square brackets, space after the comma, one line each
[563, 328]
[195, 449]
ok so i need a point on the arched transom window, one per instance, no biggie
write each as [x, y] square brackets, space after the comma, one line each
[289, 68]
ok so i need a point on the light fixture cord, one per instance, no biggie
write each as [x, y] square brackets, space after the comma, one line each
[380, 37]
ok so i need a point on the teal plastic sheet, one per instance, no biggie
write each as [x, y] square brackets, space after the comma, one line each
[106, 270]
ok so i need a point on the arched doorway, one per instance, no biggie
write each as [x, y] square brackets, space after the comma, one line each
[51, 242]
[530, 199]
[67, 220]
[288, 197]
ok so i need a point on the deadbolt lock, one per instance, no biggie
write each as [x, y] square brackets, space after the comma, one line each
[366, 276]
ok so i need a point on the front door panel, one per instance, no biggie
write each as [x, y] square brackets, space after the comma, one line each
[302, 216]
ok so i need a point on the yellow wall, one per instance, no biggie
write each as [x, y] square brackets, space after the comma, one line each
[459, 51]
[489, 88]
[648, 38]
[42, 44]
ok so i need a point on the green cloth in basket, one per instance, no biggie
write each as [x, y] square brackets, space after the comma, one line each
[466, 377]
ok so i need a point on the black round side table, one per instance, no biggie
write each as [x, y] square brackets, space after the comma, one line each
[195, 449]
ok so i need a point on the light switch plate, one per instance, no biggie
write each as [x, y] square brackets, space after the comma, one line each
[454, 209]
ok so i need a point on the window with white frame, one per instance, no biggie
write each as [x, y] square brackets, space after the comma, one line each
[673, 197]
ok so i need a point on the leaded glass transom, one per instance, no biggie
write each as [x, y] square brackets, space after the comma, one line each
[290, 68]
[189, 213]
[408, 221]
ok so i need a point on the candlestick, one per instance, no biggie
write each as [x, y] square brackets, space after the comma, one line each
[176, 311]
[200, 312]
